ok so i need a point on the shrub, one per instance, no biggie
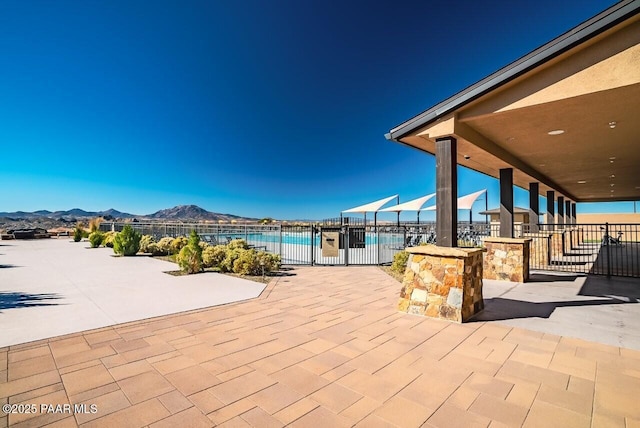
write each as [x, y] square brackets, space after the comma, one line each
[127, 242]
[238, 244]
[246, 263]
[107, 239]
[230, 256]
[271, 262]
[212, 256]
[95, 238]
[400, 262]
[94, 224]
[178, 244]
[78, 233]
[145, 241]
[153, 249]
[164, 245]
[190, 257]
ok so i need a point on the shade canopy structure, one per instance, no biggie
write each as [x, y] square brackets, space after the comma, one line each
[564, 116]
[464, 202]
[412, 205]
[371, 206]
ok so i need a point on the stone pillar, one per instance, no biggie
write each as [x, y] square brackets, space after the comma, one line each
[447, 192]
[506, 202]
[442, 282]
[534, 207]
[507, 259]
[557, 244]
[551, 212]
[540, 249]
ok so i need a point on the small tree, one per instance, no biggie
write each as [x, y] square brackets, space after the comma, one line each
[190, 257]
[127, 242]
[78, 233]
[96, 238]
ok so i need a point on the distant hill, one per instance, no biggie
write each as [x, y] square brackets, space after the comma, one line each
[180, 212]
[192, 212]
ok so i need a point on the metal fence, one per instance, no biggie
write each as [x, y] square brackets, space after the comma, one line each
[602, 249]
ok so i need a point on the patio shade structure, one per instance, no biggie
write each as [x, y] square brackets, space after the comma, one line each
[560, 121]
[464, 202]
[373, 207]
[413, 205]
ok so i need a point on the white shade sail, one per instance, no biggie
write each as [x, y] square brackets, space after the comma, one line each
[413, 205]
[371, 206]
[464, 202]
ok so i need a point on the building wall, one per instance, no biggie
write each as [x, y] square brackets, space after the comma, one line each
[608, 218]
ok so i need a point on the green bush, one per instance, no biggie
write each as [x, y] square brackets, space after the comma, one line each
[190, 257]
[247, 263]
[127, 242]
[230, 256]
[107, 239]
[238, 244]
[212, 256]
[400, 262]
[145, 241]
[271, 262]
[78, 233]
[96, 238]
[153, 249]
[164, 245]
[178, 244]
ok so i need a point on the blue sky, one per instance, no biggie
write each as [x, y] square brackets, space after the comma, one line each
[255, 108]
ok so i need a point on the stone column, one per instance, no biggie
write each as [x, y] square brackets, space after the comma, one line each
[507, 259]
[442, 282]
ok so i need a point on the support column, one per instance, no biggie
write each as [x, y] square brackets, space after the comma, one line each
[551, 212]
[506, 203]
[567, 212]
[560, 212]
[534, 207]
[447, 192]
[573, 213]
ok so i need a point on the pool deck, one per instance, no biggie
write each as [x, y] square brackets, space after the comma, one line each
[325, 346]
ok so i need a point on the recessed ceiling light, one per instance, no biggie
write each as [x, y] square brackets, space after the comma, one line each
[581, 182]
[556, 132]
[612, 158]
[611, 184]
[612, 190]
[612, 176]
[612, 125]
[543, 164]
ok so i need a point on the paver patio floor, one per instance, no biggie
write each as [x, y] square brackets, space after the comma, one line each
[320, 347]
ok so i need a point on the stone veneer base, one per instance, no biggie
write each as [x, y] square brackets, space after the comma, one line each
[442, 282]
[507, 259]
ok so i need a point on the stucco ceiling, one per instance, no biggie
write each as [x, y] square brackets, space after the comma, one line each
[591, 93]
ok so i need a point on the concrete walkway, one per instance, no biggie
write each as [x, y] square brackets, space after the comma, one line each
[52, 287]
[321, 347]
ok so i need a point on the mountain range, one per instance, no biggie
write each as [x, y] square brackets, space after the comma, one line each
[180, 212]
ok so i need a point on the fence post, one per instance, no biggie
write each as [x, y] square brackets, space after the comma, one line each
[280, 240]
[607, 244]
[377, 236]
[346, 245]
[311, 229]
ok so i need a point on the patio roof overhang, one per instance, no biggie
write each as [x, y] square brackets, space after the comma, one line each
[585, 83]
